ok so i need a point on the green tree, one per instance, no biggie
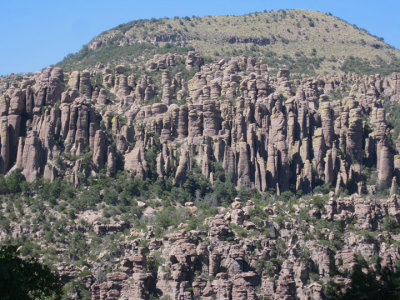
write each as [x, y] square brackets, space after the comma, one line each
[366, 283]
[26, 278]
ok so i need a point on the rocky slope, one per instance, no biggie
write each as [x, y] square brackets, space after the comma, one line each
[233, 258]
[304, 41]
[269, 248]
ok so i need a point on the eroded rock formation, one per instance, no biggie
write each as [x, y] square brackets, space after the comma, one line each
[268, 131]
[218, 263]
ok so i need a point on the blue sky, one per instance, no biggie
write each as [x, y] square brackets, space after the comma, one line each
[35, 34]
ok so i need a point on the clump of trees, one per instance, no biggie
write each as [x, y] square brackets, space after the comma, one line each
[26, 278]
[363, 66]
[367, 283]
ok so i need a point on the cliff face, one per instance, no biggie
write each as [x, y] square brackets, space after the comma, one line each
[178, 116]
[268, 132]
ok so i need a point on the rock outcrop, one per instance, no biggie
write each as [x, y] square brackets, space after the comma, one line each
[283, 263]
[268, 132]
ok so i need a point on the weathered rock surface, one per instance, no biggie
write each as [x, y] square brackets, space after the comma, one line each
[269, 132]
[218, 263]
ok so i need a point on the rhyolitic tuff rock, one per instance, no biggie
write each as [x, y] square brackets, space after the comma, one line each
[269, 132]
[248, 250]
[293, 258]
[178, 116]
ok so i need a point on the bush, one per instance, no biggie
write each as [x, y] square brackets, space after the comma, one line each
[390, 224]
[322, 189]
[287, 197]
[169, 216]
[239, 231]
[363, 66]
[196, 183]
[319, 201]
[262, 266]
[314, 276]
[225, 191]
[13, 183]
[367, 283]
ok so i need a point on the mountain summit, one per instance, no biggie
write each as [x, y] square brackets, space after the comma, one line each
[303, 41]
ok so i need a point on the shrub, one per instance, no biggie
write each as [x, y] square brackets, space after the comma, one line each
[390, 224]
[314, 276]
[262, 266]
[239, 231]
[169, 216]
[13, 183]
[319, 201]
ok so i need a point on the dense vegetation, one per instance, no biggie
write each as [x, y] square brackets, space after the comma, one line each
[367, 283]
[53, 210]
[363, 66]
[26, 278]
[114, 54]
[58, 213]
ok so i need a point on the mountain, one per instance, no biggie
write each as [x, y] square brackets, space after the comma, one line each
[303, 41]
[173, 174]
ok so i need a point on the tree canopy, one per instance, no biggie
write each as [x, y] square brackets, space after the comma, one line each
[26, 278]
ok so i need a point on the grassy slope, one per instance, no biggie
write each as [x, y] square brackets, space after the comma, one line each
[295, 34]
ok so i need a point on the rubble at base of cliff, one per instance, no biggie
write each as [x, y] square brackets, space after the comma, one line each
[282, 253]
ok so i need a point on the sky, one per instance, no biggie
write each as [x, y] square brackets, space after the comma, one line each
[35, 34]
